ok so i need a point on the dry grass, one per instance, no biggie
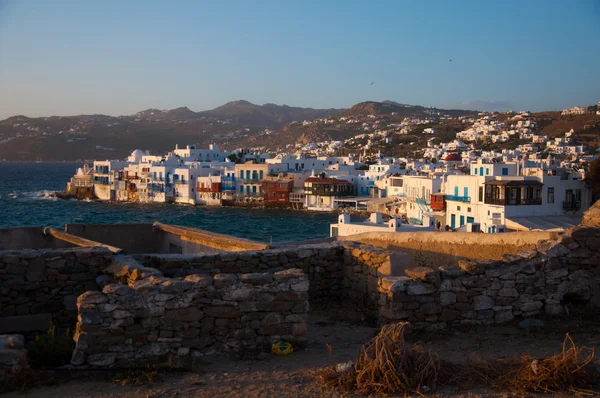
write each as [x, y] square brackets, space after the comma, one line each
[388, 365]
[565, 371]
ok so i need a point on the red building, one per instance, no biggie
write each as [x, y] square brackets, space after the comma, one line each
[438, 201]
[208, 187]
[277, 189]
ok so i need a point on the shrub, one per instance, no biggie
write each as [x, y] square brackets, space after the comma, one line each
[51, 349]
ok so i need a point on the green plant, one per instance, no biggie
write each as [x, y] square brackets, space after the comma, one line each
[51, 349]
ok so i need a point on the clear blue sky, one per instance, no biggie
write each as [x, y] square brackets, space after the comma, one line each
[117, 57]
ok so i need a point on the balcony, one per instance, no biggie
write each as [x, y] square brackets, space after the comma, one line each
[573, 205]
[456, 198]
[512, 202]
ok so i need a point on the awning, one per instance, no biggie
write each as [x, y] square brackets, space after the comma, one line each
[542, 223]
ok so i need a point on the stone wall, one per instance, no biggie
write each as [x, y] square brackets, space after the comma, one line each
[47, 282]
[153, 316]
[335, 271]
[559, 273]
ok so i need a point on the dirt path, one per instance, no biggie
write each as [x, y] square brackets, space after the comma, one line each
[284, 377]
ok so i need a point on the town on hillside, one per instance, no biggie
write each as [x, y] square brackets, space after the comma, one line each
[455, 185]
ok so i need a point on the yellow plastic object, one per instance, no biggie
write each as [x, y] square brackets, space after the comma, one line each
[282, 348]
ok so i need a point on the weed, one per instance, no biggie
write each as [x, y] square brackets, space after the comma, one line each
[136, 377]
[51, 349]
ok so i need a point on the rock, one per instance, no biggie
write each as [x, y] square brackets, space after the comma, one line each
[256, 278]
[190, 314]
[451, 271]
[224, 280]
[482, 303]
[447, 298]
[552, 248]
[35, 270]
[78, 358]
[591, 217]
[103, 280]
[223, 312]
[530, 323]
[471, 267]
[12, 351]
[199, 280]
[503, 316]
[532, 306]
[508, 292]
[431, 308]
[446, 286]
[288, 274]
[114, 288]
[102, 359]
[423, 273]
[92, 297]
[418, 289]
[301, 286]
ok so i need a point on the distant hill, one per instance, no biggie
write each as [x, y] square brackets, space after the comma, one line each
[108, 137]
[389, 107]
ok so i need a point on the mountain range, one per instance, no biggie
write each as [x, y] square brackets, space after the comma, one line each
[232, 125]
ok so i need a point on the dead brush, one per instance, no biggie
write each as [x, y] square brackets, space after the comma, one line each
[386, 365]
[563, 372]
[474, 372]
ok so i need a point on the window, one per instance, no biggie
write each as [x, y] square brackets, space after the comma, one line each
[470, 220]
[468, 209]
[487, 171]
[480, 171]
[550, 195]
[457, 208]
[481, 194]
[466, 192]
[505, 171]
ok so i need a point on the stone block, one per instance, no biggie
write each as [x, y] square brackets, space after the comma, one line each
[225, 311]
[256, 278]
[447, 298]
[224, 280]
[471, 267]
[424, 274]
[482, 303]
[417, 289]
[451, 271]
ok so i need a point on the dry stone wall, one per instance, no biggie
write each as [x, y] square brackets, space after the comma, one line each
[561, 272]
[199, 314]
[336, 272]
[47, 282]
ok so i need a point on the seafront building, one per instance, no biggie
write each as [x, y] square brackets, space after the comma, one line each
[464, 190]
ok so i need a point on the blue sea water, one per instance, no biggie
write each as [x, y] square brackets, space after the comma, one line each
[22, 203]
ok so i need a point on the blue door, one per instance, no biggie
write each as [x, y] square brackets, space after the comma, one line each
[453, 221]
[462, 220]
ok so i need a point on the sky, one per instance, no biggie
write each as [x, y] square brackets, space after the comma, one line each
[67, 57]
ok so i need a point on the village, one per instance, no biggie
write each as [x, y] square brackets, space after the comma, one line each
[451, 186]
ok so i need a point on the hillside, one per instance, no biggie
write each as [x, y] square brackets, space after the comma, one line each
[85, 137]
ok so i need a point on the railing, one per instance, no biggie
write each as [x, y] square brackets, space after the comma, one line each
[421, 201]
[250, 180]
[572, 205]
[82, 183]
[415, 221]
[456, 198]
[512, 202]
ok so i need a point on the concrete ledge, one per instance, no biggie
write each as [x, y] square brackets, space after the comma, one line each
[211, 239]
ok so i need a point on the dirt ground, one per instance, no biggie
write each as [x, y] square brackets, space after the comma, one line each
[284, 377]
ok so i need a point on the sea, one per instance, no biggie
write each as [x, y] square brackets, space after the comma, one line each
[25, 200]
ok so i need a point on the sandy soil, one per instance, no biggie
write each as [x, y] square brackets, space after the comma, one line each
[286, 376]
